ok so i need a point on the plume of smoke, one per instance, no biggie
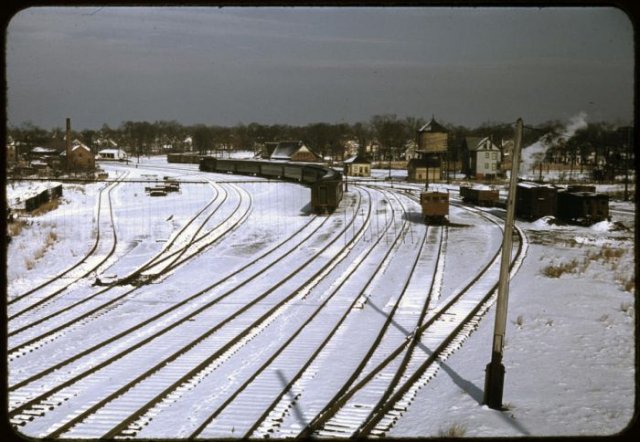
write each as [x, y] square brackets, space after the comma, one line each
[532, 155]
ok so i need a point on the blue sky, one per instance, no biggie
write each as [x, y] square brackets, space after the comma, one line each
[223, 66]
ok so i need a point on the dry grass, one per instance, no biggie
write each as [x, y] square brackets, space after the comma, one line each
[52, 237]
[16, 227]
[606, 254]
[627, 308]
[46, 207]
[557, 270]
[28, 263]
[455, 430]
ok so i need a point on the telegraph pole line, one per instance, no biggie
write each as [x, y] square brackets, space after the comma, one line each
[494, 380]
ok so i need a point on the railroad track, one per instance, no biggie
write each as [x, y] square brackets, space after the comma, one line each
[78, 270]
[29, 322]
[25, 401]
[364, 411]
[285, 355]
[25, 338]
[127, 410]
[427, 260]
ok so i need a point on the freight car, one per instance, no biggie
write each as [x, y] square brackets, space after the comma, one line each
[325, 183]
[435, 206]
[582, 207]
[191, 158]
[534, 201]
[481, 196]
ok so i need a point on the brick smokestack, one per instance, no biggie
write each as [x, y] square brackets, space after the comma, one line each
[68, 142]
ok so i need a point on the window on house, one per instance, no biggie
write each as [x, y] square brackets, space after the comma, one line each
[493, 166]
[486, 154]
[494, 155]
[486, 166]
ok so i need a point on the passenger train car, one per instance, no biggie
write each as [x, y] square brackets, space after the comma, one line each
[325, 183]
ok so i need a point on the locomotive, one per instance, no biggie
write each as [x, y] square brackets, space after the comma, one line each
[325, 183]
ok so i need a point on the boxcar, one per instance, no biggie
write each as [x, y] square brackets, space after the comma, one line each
[482, 196]
[435, 206]
[581, 188]
[583, 207]
[534, 201]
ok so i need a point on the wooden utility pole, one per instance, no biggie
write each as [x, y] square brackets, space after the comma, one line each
[494, 380]
[67, 141]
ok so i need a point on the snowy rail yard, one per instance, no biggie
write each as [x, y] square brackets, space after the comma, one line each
[228, 309]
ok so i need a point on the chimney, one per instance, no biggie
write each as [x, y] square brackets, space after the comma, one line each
[68, 142]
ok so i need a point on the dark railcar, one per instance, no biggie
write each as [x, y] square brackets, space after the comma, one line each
[327, 192]
[480, 196]
[271, 170]
[226, 166]
[435, 206]
[208, 164]
[581, 188]
[534, 201]
[293, 172]
[583, 207]
[247, 167]
[326, 183]
[190, 158]
[311, 174]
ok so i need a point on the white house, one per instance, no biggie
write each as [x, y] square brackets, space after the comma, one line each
[112, 154]
[482, 157]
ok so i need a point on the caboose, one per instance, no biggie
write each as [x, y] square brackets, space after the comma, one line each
[435, 206]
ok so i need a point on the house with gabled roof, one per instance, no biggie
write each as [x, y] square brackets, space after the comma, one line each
[357, 165]
[80, 157]
[294, 151]
[482, 157]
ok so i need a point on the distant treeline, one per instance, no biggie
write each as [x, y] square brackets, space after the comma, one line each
[390, 133]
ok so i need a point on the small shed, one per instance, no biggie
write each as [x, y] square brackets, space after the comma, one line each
[357, 165]
[424, 169]
[294, 151]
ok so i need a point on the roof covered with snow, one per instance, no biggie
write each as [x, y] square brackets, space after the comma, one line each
[480, 143]
[286, 149]
[357, 159]
[433, 126]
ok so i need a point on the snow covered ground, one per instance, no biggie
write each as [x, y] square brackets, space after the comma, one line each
[570, 347]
